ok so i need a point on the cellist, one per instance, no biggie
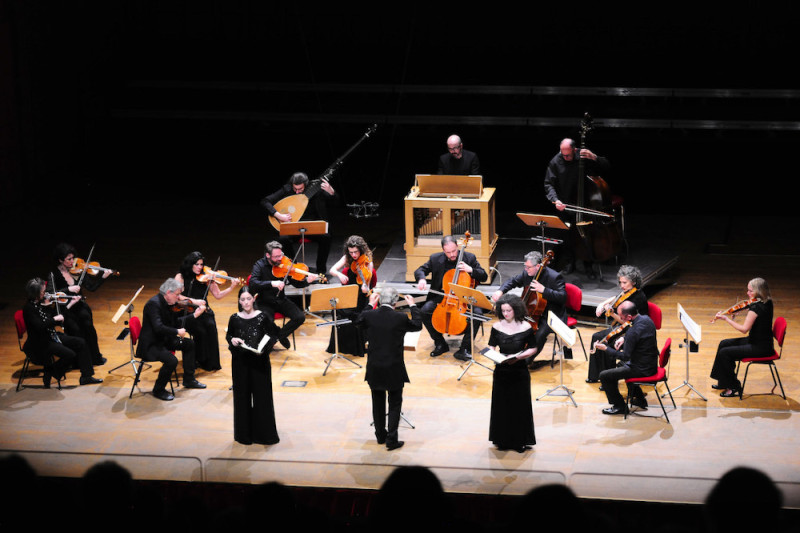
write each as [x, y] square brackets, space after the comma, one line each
[437, 266]
[545, 283]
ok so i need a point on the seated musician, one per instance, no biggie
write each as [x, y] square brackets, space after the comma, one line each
[437, 266]
[630, 283]
[269, 289]
[457, 161]
[548, 285]
[163, 330]
[316, 210]
[354, 267]
[561, 188]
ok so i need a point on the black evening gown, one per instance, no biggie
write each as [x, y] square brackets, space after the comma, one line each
[350, 337]
[253, 409]
[511, 422]
[203, 329]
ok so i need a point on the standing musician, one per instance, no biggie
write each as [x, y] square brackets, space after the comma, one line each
[386, 371]
[551, 286]
[204, 328]
[437, 266]
[41, 319]
[317, 210]
[561, 188]
[757, 326]
[78, 317]
[162, 334]
[639, 358]
[269, 291]
[457, 161]
[354, 267]
[630, 284]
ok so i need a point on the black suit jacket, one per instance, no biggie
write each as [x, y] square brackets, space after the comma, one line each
[159, 325]
[437, 266]
[555, 291]
[41, 331]
[640, 349]
[385, 330]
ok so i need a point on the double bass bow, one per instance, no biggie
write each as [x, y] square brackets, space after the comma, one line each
[535, 302]
[448, 317]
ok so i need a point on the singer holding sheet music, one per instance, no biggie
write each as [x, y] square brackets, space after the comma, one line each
[253, 410]
[511, 422]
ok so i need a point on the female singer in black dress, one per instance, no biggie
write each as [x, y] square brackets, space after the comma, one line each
[78, 318]
[41, 319]
[511, 423]
[204, 328]
[356, 250]
[757, 326]
[253, 410]
[630, 284]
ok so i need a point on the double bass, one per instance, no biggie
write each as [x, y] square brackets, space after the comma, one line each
[535, 302]
[448, 317]
[597, 231]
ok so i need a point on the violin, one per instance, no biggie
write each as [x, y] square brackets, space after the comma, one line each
[51, 298]
[183, 306]
[620, 298]
[738, 307]
[448, 317]
[218, 276]
[361, 269]
[92, 268]
[535, 302]
[297, 271]
[616, 332]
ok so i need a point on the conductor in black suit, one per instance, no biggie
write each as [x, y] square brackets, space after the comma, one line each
[457, 161]
[162, 334]
[551, 286]
[386, 370]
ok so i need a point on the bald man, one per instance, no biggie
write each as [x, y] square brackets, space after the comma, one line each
[457, 161]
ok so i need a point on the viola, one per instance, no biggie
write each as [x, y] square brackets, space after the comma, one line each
[92, 268]
[448, 317]
[298, 271]
[616, 332]
[183, 306]
[535, 302]
[51, 298]
[621, 298]
[220, 277]
[361, 269]
[738, 307]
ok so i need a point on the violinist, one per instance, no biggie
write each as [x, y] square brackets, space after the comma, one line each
[561, 189]
[317, 210]
[163, 333]
[630, 285]
[354, 267]
[78, 317]
[550, 285]
[269, 289]
[757, 325]
[437, 266]
[204, 328]
[41, 318]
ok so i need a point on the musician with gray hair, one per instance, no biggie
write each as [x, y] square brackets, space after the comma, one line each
[386, 371]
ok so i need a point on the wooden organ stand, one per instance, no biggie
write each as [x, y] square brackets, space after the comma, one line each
[440, 205]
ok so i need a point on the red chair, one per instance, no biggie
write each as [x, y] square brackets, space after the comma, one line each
[574, 304]
[19, 322]
[654, 312]
[135, 327]
[779, 332]
[659, 377]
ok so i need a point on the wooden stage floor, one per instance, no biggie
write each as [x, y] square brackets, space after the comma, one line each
[324, 425]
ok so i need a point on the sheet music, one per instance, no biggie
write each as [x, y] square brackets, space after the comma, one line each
[261, 345]
[692, 327]
[569, 336]
[496, 356]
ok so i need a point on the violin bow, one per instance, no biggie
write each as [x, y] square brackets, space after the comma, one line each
[208, 285]
[86, 266]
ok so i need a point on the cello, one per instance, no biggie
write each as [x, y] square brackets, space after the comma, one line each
[534, 302]
[448, 317]
[598, 233]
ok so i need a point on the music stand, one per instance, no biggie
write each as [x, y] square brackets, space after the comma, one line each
[303, 228]
[333, 299]
[693, 332]
[543, 221]
[568, 338]
[127, 308]
[472, 297]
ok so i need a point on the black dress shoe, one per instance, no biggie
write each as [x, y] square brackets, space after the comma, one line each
[592, 381]
[194, 384]
[439, 349]
[730, 393]
[718, 387]
[615, 410]
[641, 403]
[90, 380]
[163, 395]
[394, 445]
[462, 355]
[285, 342]
[103, 361]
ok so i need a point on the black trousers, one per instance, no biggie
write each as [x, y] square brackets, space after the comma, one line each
[386, 428]
[729, 352]
[163, 354]
[610, 379]
[294, 315]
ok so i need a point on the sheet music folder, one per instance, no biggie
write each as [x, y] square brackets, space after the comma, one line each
[448, 185]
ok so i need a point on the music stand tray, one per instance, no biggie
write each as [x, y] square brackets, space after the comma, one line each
[472, 297]
[332, 299]
[543, 221]
[304, 227]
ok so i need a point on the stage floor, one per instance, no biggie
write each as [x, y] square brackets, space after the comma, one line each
[324, 421]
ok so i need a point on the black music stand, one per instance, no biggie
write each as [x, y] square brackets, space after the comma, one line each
[543, 221]
[128, 308]
[301, 229]
[472, 297]
[568, 338]
[332, 299]
[693, 333]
